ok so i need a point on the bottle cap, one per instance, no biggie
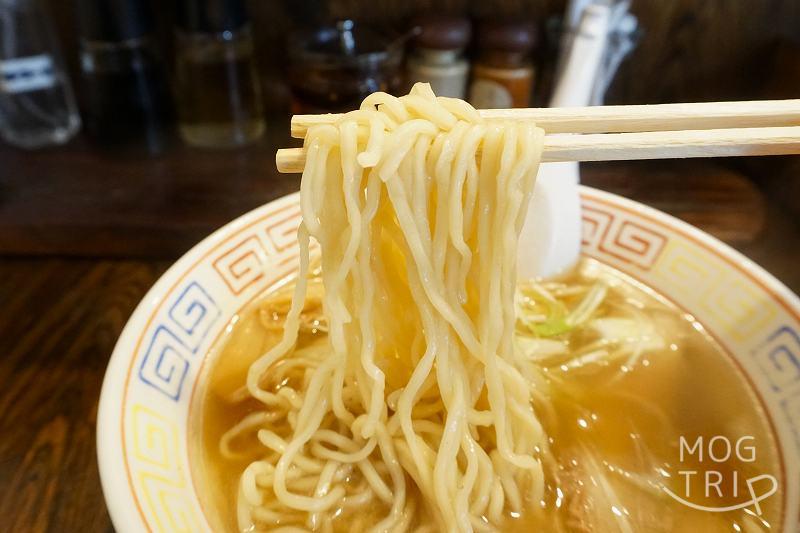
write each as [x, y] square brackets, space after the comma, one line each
[508, 36]
[114, 20]
[212, 16]
[440, 32]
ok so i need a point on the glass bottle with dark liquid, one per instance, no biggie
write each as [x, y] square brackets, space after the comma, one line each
[125, 88]
[333, 68]
[219, 96]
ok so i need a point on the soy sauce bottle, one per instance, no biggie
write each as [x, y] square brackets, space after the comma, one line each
[127, 102]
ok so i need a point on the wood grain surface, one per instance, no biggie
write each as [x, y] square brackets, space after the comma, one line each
[79, 200]
[59, 320]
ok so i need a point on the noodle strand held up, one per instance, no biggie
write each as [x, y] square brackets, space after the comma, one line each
[417, 407]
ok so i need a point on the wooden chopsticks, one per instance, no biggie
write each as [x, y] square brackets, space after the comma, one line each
[629, 118]
[663, 131]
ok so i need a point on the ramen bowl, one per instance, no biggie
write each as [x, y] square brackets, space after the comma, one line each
[147, 430]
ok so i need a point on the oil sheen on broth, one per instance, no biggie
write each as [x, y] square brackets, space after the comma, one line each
[614, 412]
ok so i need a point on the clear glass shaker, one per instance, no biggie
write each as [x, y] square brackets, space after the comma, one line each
[37, 104]
[219, 94]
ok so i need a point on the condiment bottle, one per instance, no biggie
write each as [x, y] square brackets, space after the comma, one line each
[37, 105]
[503, 74]
[219, 94]
[333, 68]
[437, 57]
[127, 96]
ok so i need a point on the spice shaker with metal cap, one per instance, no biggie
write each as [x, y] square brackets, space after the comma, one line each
[219, 94]
[127, 101]
[503, 74]
[437, 57]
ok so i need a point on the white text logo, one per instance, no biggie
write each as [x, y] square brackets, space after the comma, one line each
[714, 482]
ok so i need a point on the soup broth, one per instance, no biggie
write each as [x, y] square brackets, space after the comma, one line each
[626, 418]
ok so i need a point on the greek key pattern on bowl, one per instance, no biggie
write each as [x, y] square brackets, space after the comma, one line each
[242, 264]
[261, 248]
[714, 286]
[620, 236]
[180, 330]
[160, 474]
[779, 358]
[177, 339]
[729, 301]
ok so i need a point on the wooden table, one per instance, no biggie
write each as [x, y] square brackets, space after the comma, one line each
[84, 236]
[59, 320]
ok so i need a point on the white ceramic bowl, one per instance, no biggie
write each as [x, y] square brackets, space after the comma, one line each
[143, 435]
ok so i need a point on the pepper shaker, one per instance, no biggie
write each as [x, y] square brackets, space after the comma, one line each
[437, 57]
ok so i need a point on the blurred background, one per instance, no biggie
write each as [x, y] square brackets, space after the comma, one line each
[131, 129]
[134, 128]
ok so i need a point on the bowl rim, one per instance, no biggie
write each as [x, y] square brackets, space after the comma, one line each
[123, 506]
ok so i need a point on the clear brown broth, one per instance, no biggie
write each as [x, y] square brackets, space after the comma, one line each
[691, 388]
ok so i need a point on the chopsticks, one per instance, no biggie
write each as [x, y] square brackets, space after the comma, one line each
[628, 118]
[663, 131]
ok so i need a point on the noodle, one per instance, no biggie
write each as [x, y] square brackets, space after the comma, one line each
[414, 385]
[413, 198]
